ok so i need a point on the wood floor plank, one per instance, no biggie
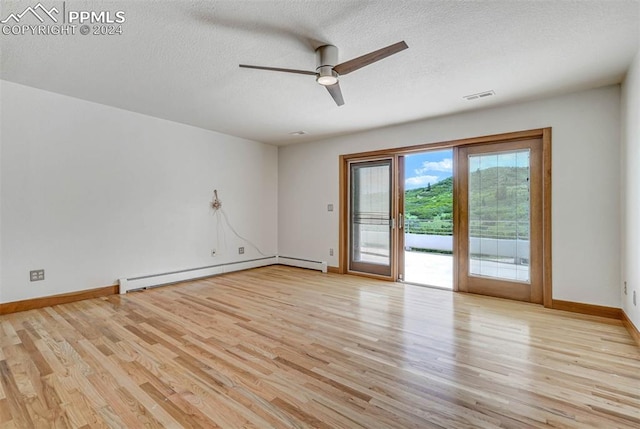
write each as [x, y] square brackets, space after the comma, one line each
[19, 412]
[279, 347]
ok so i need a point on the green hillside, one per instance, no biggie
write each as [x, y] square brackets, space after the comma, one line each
[494, 193]
[429, 210]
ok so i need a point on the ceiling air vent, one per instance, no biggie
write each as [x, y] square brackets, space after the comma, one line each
[480, 95]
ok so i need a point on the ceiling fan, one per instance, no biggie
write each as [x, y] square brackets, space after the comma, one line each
[327, 71]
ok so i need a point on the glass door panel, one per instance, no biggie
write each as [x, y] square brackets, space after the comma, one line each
[498, 195]
[370, 212]
[500, 220]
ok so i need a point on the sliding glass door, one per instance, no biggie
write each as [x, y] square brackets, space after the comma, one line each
[371, 223]
[481, 206]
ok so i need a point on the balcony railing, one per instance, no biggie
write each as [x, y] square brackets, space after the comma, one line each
[499, 229]
[494, 229]
[431, 227]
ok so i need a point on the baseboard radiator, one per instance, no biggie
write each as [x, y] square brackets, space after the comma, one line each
[153, 280]
[303, 263]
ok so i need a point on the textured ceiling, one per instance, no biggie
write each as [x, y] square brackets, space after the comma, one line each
[178, 60]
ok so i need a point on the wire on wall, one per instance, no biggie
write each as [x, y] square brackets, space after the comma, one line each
[216, 205]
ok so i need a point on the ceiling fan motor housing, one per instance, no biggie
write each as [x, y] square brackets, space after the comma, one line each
[326, 58]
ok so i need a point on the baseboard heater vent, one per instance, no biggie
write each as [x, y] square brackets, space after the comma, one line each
[303, 263]
[142, 282]
[153, 280]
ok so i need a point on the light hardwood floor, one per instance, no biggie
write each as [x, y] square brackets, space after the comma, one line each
[289, 348]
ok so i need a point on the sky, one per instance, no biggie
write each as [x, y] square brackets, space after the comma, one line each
[427, 167]
[431, 167]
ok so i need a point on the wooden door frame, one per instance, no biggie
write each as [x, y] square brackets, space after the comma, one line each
[343, 248]
[544, 133]
[358, 267]
[399, 214]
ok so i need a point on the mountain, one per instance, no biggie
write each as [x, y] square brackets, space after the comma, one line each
[497, 193]
[431, 202]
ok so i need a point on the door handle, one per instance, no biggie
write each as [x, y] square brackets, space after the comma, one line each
[400, 221]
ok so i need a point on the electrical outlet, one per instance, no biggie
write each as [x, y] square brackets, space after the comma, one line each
[241, 250]
[36, 275]
[329, 207]
[625, 288]
[213, 252]
[330, 252]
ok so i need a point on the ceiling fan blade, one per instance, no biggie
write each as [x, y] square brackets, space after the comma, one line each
[336, 93]
[278, 69]
[370, 58]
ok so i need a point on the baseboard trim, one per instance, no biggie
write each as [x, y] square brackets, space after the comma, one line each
[334, 270]
[47, 301]
[633, 330]
[590, 309]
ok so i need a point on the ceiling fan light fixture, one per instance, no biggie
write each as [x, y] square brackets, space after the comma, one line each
[326, 76]
[327, 80]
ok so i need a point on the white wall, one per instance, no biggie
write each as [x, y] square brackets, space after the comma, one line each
[92, 193]
[586, 204]
[631, 190]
